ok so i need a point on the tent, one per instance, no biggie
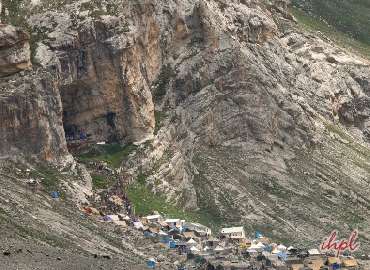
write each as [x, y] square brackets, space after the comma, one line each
[162, 233]
[281, 247]
[151, 263]
[258, 247]
[192, 242]
[251, 250]
[258, 235]
[349, 262]
[172, 244]
[219, 248]
[107, 219]
[55, 194]
[194, 250]
[313, 252]
[113, 217]
[282, 256]
[334, 260]
[138, 225]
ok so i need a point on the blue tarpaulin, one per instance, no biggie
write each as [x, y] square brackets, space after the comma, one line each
[258, 234]
[55, 194]
[151, 264]
[165, 239]
[148, 234]
[282, 256]
[336, 266]
[172, 244]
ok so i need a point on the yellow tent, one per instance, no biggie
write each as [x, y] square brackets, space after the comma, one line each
[334, 260]
[349, 262]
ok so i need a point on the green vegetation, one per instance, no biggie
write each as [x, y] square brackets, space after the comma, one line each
[341, 31]
[351, 16]
[113, 154]
[145, 202]
[50, 177]
[13, 12]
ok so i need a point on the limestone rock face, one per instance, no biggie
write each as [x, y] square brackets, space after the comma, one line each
[31, 118]
[104, 76]
[14, 50]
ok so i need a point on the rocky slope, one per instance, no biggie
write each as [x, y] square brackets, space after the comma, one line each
[247, 118]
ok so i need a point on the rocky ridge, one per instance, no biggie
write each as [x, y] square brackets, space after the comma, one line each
[247, 117]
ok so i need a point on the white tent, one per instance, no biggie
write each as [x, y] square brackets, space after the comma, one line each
[138, 225]
[194, 249]
[162, 233]
[258, 247]
[281, 247]
[313, 252]
[219, 248]
[191, 242]
[252, 250]
[290, 248]
[113, 217]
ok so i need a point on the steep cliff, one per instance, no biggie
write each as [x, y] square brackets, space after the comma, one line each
[246, 118]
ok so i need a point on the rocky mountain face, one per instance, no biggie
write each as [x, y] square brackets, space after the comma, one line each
[245, 118]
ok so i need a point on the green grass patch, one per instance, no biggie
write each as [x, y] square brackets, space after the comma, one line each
[113, 154]
[351, 16]
[50, 177]
[145, 202]
[312, 23]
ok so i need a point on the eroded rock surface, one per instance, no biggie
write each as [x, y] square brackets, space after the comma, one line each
[257, 122]
[14, 50]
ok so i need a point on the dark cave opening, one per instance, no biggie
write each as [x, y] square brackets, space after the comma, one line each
[87, 116]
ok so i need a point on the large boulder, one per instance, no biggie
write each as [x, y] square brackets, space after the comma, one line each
[15, 54]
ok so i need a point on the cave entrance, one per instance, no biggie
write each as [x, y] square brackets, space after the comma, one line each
[87, 118]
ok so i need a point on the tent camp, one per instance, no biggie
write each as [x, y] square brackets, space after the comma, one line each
[198, 228]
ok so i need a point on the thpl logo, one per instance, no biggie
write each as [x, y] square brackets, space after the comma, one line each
[350, 244]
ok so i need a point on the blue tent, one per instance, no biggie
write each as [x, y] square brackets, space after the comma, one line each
[172, 244]
[55, 194]
[336, 266]
[258, 234]
[148, 234]
[282, 256]
[165, 239]
[151, 264]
